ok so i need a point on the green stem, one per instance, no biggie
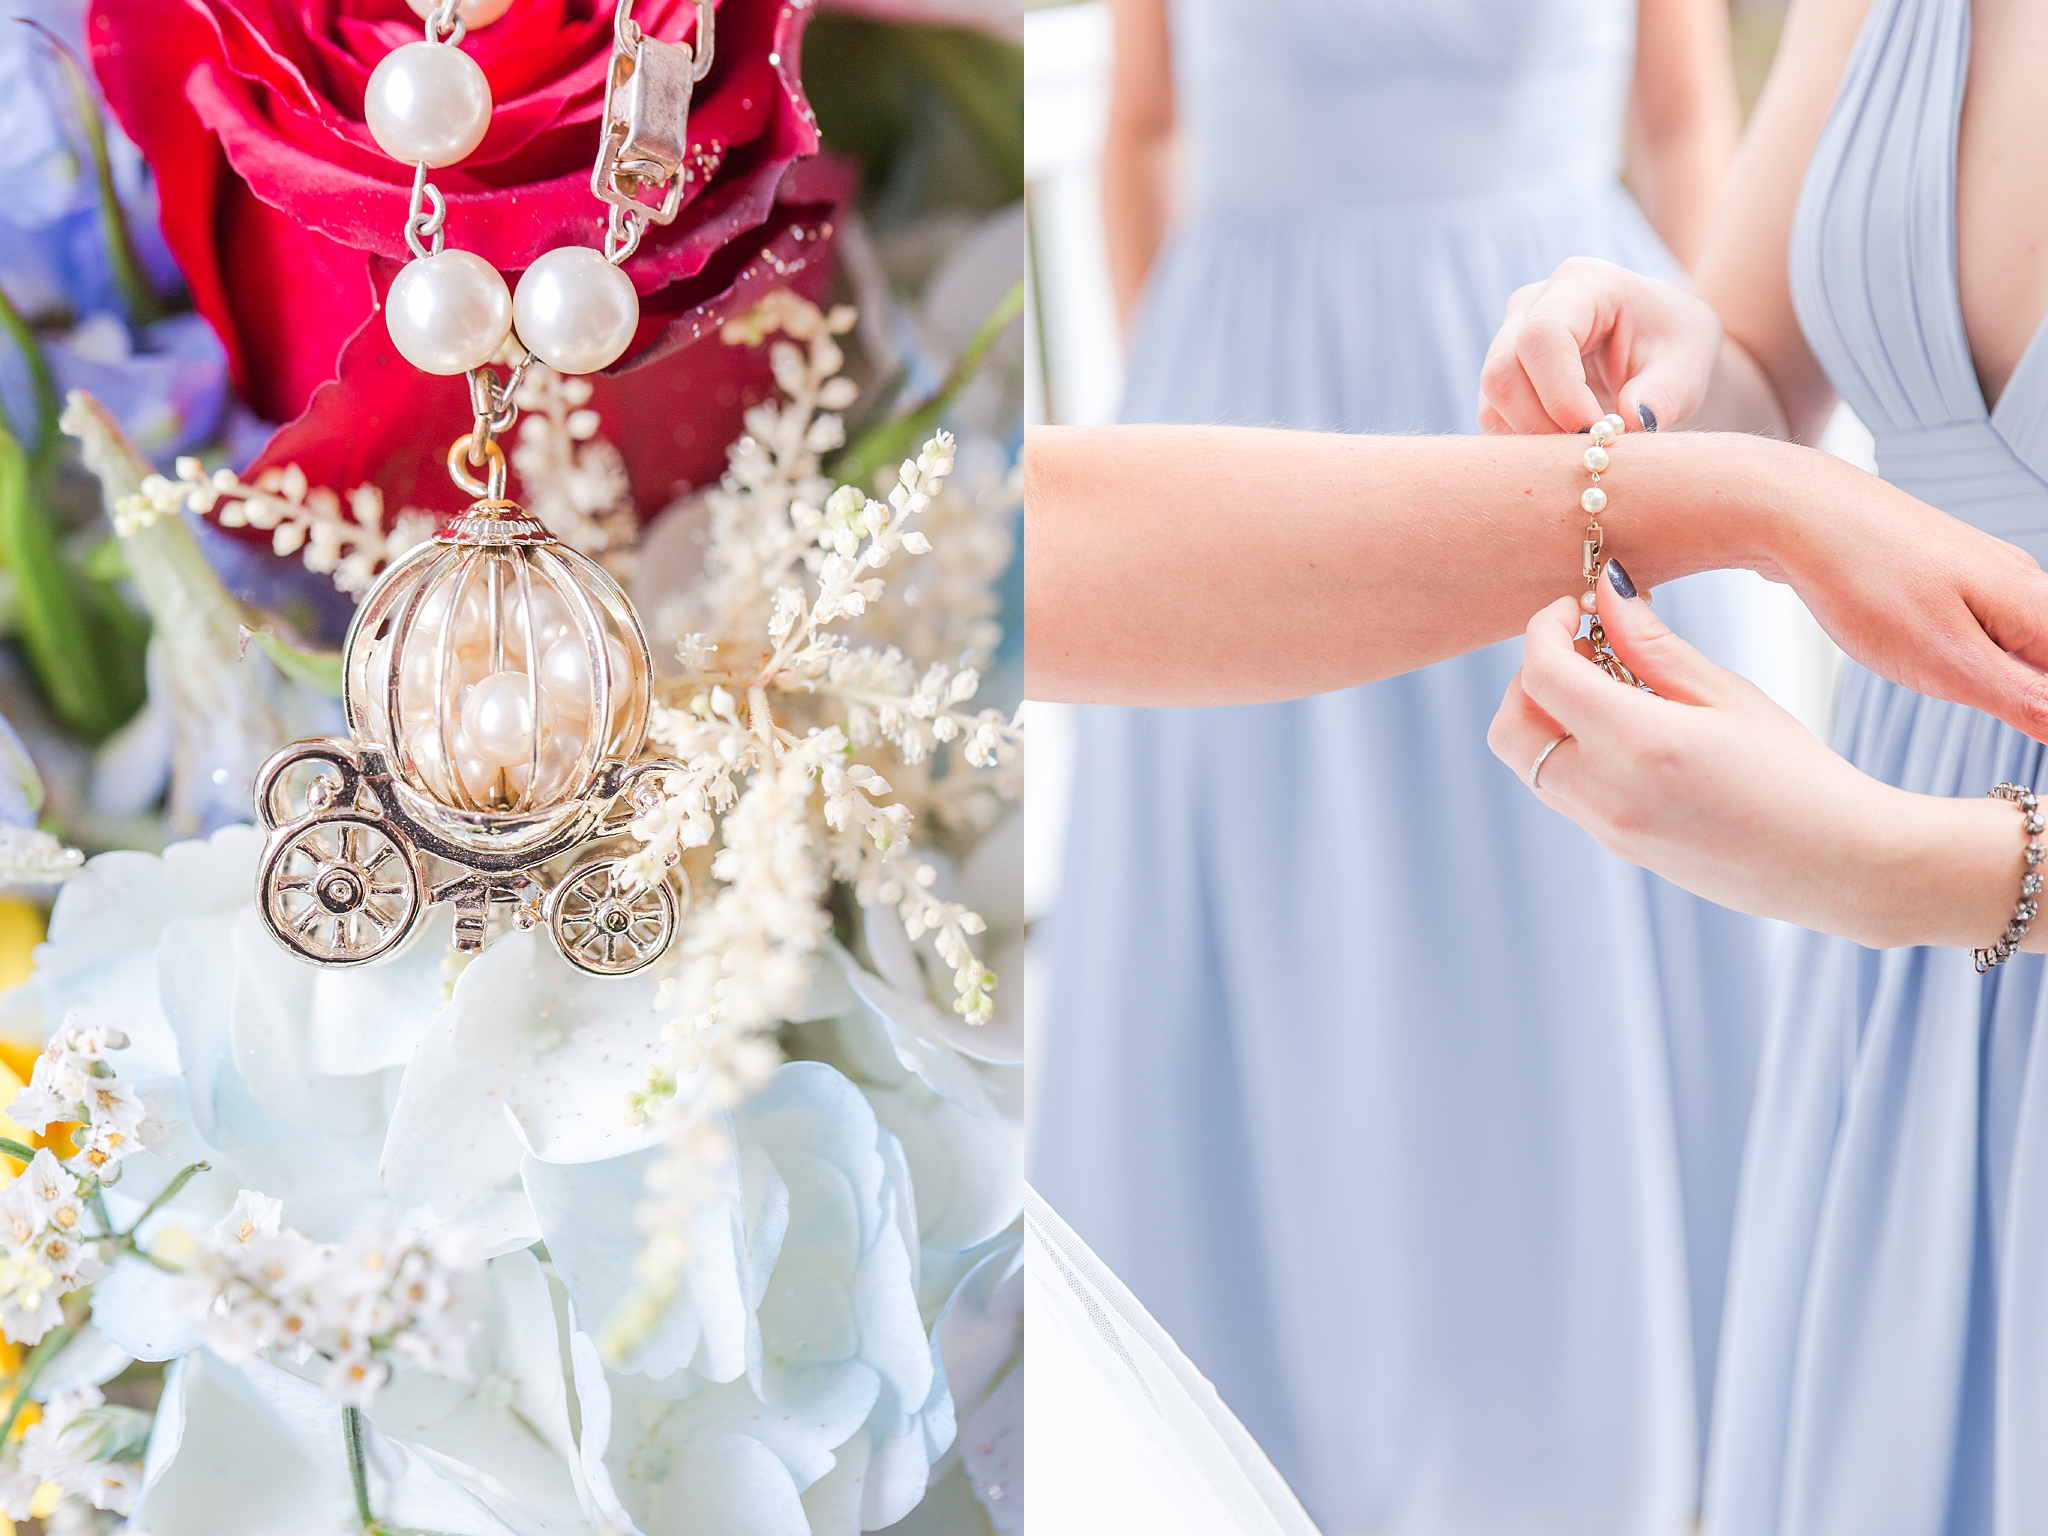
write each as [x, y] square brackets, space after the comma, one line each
[898, 438]
[141, 300]
[96, 1202]
[358, 1471]
[23, 335]
[16, 1150]
[169, 1192]
[25, 1378]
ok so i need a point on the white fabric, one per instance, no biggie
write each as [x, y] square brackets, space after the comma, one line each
[1127, 1438]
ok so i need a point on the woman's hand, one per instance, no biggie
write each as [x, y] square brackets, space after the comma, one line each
[1595, 337]
[1711, 785]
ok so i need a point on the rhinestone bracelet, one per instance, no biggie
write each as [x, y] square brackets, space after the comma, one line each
[2030, 883]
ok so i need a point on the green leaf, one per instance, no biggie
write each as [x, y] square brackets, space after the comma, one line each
[983, 77]
[79, 636]
[320, 670]
[19, 331]
[875, 86]
[107, 561]
[899, 438]
[142, 303]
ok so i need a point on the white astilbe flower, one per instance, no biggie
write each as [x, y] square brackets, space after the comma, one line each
[379, 1297]
[570, 478]
[823, 721]
[73, 1081]
[304, 520]
[45, 1252]
[90, 1449]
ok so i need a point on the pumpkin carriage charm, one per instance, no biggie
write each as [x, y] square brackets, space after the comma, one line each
[495, 684]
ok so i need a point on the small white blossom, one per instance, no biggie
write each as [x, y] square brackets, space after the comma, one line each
[45, 1249]
[72, 1080]
[379, 1296]
[88, 1448]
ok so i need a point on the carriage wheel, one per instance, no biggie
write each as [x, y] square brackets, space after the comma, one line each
[608, 931]
[341, 890]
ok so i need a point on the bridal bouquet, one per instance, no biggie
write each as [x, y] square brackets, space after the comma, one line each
[486, 1243]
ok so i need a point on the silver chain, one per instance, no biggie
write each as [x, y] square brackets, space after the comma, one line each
[623, 228]
[493, 406]
[422, 225]
[443, 25]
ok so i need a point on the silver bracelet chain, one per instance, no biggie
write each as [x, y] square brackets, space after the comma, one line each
[2030, 883]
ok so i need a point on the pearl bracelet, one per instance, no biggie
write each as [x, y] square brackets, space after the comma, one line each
[2033, 824]
[1593, 501]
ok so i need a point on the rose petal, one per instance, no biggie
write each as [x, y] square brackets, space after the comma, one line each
[671, 412]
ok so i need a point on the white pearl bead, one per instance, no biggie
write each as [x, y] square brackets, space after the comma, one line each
[428, 101]
[1589, 601]
[494, 786]
[549, 616]
[1596, 459]
[575, 310]
[1593, 499]
[1603, 432]
[1615, 421]
[565, 674]
[497, 719]
[472, 13]
[448, 313]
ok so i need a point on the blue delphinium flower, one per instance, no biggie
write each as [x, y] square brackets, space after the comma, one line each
[88, 284]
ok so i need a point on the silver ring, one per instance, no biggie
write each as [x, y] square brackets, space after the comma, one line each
[1544, 757]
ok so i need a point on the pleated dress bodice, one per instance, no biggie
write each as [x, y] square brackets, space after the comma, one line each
[1885, 1346]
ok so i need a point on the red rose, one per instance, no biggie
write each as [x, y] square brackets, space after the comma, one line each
[289, 221]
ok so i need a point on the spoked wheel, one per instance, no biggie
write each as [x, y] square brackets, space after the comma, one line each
[341, 890]
[610, 931]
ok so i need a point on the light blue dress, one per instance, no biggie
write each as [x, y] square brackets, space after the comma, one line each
[1412, 1115]
[1885, 1370]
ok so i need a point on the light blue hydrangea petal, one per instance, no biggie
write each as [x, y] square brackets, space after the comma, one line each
[530, 1055]
[968, 1170]
[503, 1436]
[909, 1025]
[101, 955]
[586, 1214]
[992, 1451]
[254, 1450]
[271, 1045]
[136, 1308]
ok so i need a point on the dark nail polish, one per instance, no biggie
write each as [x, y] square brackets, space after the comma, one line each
[1649, 418]
[1585, 429]
[1617, 577]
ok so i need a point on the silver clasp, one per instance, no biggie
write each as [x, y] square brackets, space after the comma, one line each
[646, 137]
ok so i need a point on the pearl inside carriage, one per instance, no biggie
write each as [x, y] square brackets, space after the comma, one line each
[500, 674]
[496, 687]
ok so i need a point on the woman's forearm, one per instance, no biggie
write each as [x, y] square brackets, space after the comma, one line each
[1686, 121]
[1944, 872]
[1137, 175]
[1138, 148]
[1742, 398]
[1199, 565]
[1710, 784]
